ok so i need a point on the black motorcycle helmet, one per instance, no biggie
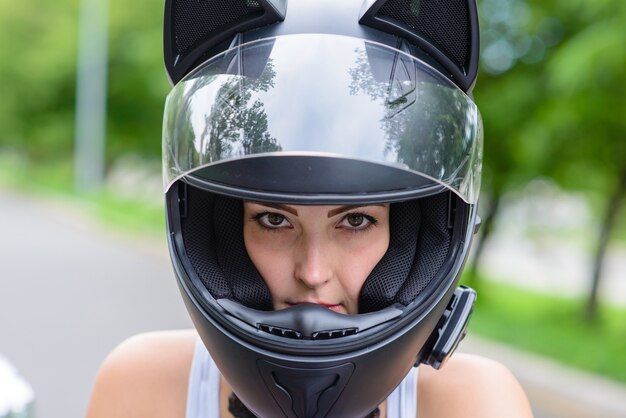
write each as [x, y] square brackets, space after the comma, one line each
[322, 102]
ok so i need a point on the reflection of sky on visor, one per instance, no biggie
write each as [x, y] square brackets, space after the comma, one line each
[315, 111]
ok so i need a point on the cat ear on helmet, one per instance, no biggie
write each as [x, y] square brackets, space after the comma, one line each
[193, 28]
[446, 30]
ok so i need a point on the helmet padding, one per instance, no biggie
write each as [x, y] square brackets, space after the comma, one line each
[418, 246]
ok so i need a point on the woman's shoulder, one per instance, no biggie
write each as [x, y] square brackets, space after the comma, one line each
[145, 376]
[471, 386]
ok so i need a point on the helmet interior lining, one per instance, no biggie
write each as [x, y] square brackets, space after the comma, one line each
[420, 242]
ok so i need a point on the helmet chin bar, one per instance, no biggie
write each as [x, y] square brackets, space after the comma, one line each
[451, 329]
[308, 320]
[313, 322]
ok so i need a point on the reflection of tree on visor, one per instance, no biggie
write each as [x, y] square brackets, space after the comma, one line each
[321, 171]
[319, 96]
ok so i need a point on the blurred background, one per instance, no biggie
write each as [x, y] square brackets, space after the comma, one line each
[83, 85]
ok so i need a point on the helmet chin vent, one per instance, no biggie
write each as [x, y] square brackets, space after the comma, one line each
[307, 321]
[336, 333]
[296, 335]
[281, 332]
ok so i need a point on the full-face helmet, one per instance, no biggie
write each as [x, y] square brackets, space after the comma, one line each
[322, 102]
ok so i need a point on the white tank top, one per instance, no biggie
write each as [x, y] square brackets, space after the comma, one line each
[203, 399]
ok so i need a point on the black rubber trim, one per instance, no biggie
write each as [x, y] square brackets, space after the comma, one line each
[463, 77]
[178, 66]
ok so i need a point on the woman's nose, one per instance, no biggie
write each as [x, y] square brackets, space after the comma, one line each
[313, 264]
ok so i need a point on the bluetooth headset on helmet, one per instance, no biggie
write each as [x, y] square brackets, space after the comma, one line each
[322, 102]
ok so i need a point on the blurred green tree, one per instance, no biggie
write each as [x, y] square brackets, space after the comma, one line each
[38, 72]
[37, 69]
[552, 97]
[585, 115]
[138, 83]
[516, 36]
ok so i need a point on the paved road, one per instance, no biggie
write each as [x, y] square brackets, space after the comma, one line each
[70, 290]
[555, 390]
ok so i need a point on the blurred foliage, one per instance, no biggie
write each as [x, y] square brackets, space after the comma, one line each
[37, 69]
[553, 102]
[551, 92]
[553, 326]
[38, 52]
[138, 84]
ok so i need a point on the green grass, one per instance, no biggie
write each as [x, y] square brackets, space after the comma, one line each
[51, 178]
[54, 180]
[129, 215]
[553, 326]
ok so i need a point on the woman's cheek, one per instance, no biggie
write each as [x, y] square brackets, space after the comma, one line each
[368, 252]
[258, 239]
[364, 258]
[271, 262]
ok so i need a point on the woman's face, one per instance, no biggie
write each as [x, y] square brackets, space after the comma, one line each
[315, 254]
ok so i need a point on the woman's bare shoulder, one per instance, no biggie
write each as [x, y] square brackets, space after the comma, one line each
[471, 386]
[145, 376]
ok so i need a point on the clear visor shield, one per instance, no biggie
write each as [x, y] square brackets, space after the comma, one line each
[325, 96]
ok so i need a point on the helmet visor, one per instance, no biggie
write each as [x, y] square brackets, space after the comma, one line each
[325, 97]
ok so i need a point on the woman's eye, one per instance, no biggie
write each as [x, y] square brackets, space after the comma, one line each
[272, 220]
[275, 219]
[357, 221]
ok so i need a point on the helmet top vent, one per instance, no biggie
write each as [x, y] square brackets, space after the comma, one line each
[446, 30]
[195, 20]
[444, 24]
[193, 28]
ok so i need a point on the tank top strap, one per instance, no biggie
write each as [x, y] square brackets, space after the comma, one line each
[203, 399]
[402, 403]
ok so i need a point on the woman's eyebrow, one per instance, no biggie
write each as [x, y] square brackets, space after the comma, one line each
[341, 209]
[278, 206]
